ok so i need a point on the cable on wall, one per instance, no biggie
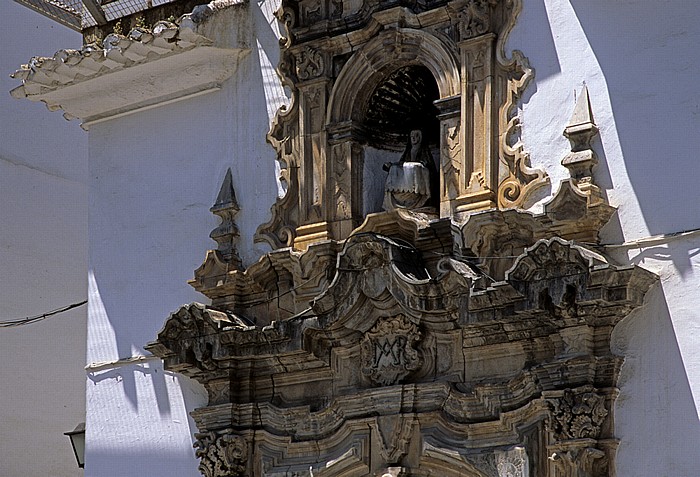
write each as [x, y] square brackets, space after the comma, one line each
[33, 319]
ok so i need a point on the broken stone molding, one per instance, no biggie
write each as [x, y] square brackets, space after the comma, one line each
[188, 57]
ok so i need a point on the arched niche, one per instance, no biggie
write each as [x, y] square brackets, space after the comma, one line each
[386, 89]
[386, 53]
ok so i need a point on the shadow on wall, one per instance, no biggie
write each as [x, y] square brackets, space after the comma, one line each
[655, 417]
[648, 54]
[153, 228]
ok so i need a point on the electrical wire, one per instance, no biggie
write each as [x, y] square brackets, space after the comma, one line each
[33, 319]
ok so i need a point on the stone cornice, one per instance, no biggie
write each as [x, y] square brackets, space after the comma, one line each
[99, 82]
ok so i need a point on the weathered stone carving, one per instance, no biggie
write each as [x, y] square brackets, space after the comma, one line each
[412, 341]
[451, 161]
[388, 353]
[309, 63]
[412, 182]
[393, 351]
[476, 123]
[474, 19]
[513, 463]
[577, 414]
[584, 462]
[221, 455]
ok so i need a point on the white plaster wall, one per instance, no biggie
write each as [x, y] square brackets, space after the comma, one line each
[154, 175]
[638, 59]
[43, 260]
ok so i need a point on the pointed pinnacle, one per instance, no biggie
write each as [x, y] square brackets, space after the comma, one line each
[583, 115]
[227, 196]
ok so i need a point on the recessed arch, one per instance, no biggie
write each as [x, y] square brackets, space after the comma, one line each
[388, 52]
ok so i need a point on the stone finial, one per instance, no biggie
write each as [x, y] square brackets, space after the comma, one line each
[580, 131]
[226, 234]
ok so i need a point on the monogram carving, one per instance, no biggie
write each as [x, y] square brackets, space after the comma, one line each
[388, 353]
[221, 455]
[577, 416]
[309, 64]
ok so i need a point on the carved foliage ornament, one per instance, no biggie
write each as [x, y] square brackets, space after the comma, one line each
[577, 415]
[309, 64]
[474, 19]
[221, 455]
[388, 353]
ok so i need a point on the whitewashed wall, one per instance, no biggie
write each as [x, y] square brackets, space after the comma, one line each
[639, 60]
[43, 261]
[153, 177]
[154, 174]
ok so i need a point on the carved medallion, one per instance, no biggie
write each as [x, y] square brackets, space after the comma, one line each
[388, 353]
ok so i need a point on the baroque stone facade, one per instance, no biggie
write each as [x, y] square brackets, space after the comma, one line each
[467, 338]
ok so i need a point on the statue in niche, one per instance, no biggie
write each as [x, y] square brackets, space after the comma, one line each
[413, 181]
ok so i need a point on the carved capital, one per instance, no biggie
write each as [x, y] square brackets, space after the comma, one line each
[222, 455]
[577, 415]
[388, 353]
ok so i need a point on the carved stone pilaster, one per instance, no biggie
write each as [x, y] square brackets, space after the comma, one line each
[222, 454]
